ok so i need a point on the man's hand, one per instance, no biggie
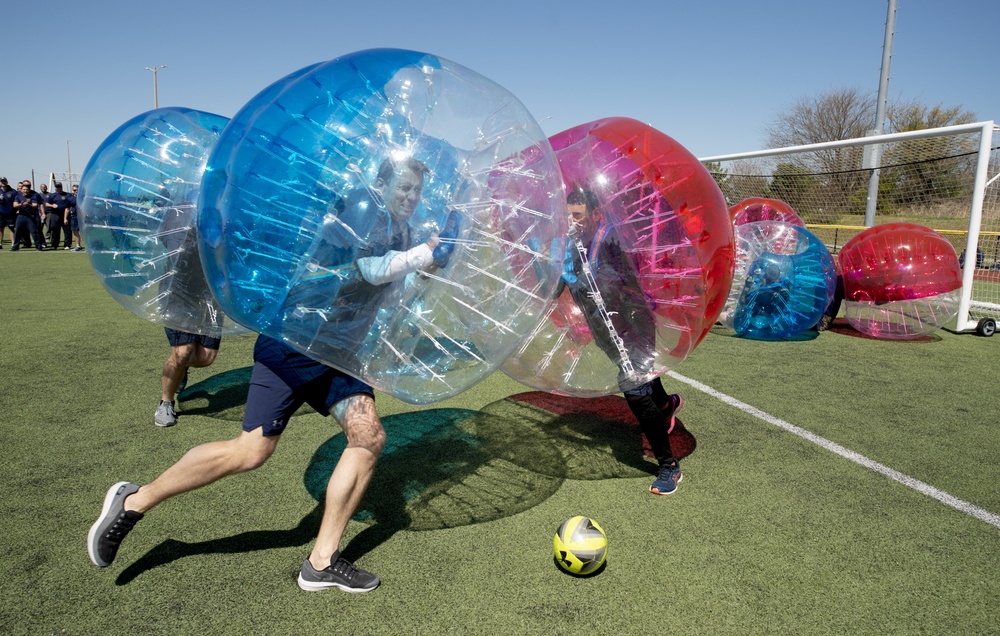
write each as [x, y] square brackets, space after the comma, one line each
[447, 236]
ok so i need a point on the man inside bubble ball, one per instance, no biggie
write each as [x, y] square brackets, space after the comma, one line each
[363, 259]
[283, 380]
[623, 325]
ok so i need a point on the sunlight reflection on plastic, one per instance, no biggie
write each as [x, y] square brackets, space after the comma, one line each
[785, 279]
[137, 218]
[322, 193]
[760, 209]
[901, 281]
[661, 257]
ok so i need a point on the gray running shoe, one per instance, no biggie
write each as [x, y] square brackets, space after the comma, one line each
[165, 415]
[341, 573]
[111, 527]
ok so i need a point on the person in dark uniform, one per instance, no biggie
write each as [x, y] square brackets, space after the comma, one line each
[622, 324]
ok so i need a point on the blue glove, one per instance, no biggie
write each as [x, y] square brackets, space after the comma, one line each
[568, 275]
[442, 253]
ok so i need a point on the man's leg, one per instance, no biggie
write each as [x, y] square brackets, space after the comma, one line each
[203, 465]
[126, 503]
[181, 357]
[325, 568]
[350, 478]
[669, 404]
[55, 230]
[21, 232]
[172, 375]
[654, 425]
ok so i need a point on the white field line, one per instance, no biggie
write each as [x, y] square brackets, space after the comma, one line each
[921, 487]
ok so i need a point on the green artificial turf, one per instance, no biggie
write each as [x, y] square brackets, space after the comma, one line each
[767, 534]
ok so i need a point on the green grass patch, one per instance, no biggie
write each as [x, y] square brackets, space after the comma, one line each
[767, 534]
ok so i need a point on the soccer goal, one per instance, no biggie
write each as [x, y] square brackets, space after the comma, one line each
[947, 179]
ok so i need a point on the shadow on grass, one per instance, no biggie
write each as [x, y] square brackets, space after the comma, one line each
[599, 437]
[172, 550]
[445, 468]
[221, 396]
[842, 327]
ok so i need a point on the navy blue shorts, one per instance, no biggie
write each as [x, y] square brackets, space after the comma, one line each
[8, 220]
[177, 338]
[271, 402]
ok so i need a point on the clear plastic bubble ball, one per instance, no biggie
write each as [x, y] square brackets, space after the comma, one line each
[376, 212]
[901, 281]
[658, 244]
[762, 209]
[785, 279]
[137, 206]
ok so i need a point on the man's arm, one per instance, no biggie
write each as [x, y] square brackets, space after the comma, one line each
[392, 266]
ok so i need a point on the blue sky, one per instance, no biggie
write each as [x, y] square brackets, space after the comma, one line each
[709, 74]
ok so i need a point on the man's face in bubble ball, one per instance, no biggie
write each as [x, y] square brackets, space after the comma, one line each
[402, 193]
[580, 218]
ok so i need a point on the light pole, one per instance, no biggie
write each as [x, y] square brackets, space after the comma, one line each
[156, 100]
[69, 166]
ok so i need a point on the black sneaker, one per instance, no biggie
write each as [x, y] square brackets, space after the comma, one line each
[111, 527]
[341, 573]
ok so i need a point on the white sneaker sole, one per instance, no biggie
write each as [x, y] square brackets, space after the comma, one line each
[680, 478]
[92, 535]
[319, 586]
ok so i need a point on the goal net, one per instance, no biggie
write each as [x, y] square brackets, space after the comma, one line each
[947, 179]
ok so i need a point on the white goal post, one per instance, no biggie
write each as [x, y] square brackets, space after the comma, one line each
[945, 178]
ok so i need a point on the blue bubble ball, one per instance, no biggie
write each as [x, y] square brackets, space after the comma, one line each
[376, 212]
[785, 279]
[137, 209]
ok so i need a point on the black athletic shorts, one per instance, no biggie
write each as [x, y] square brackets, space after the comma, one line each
[177, 338]
[271, 401]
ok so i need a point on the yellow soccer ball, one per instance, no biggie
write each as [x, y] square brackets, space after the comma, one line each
[580, 545]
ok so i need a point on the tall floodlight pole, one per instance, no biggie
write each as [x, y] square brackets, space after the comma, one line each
[883, 96]
[69, 166]
[156, 99]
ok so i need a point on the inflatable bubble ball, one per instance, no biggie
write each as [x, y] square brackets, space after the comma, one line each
[377, 211]
[901, 281]
[785, 279]
[761, 209]
[645, 271]
[137, 207]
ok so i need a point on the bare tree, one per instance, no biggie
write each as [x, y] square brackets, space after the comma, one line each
[842, 113]
[916, 174]
[912, 115]
[924, 173]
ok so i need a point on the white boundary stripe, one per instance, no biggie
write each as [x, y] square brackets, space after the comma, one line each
[921, 487]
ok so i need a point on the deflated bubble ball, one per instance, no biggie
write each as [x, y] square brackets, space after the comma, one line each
[658, 243]
[761, 209]
[137, 206]
[901, 281]
[785, 279]
[375, 212]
